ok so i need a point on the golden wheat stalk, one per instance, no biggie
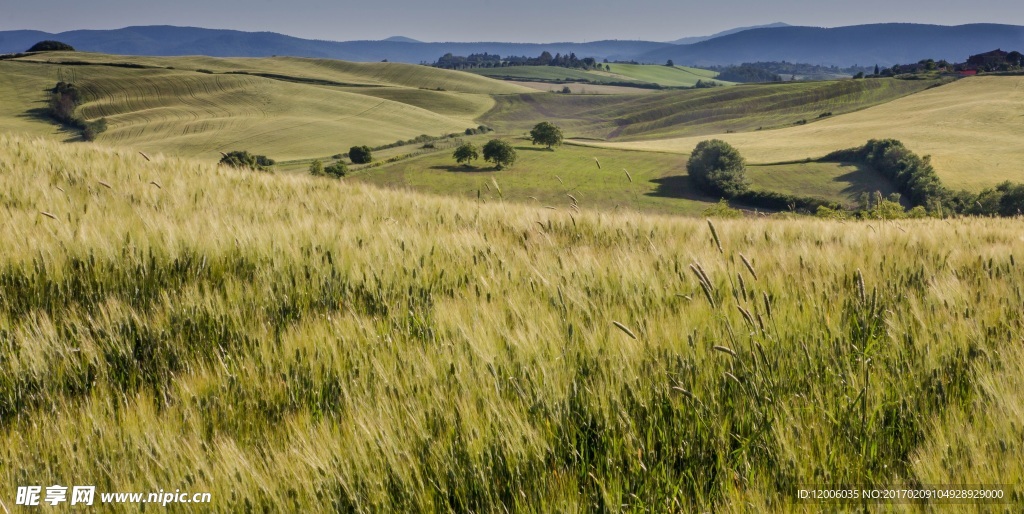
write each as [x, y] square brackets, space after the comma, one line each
[624, 329]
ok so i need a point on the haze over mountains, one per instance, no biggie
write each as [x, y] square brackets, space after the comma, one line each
[882, 44]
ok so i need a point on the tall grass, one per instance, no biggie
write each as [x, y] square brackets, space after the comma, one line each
[298, 344]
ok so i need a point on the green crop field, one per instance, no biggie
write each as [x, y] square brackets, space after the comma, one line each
[695, 112]
[669, 76]
[302, 111]
[297, 344]
[972, 129]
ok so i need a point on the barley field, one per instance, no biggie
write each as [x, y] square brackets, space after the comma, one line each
[290, 343]
[972, 129]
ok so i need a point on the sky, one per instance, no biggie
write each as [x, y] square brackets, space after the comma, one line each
[483, 20]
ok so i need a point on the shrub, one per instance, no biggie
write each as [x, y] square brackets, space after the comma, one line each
[337, 170]
[360, 154]
[722, 210]
[243, 159]
[500, 152]
[717, 168]
[316, 168]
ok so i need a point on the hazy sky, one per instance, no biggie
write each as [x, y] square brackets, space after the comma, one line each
[483, 20]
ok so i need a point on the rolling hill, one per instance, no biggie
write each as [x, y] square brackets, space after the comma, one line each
[282, 107]
[971, 128]
[700, 111]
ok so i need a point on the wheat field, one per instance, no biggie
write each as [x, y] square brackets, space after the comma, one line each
[972, 129]
[290, 343]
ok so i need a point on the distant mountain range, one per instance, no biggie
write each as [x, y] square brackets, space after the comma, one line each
[883, 44]
[865, 45]
[697, 39]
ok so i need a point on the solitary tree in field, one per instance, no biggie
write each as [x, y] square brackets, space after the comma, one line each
[500, 153]
[360, 154]
[670, 63]
[717, 168]
[466, 153]
[547, 134]
[316, 168]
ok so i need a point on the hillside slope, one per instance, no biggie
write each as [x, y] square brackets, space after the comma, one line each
[972, 129]
[285, 108]
[701, 111]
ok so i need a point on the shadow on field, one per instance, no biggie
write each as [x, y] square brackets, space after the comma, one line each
[677, 186]
[863, 179]
[458, 168]
[42, 114]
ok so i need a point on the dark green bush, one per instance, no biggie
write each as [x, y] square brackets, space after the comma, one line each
[718, 169]
[243, 159]
[360, 154]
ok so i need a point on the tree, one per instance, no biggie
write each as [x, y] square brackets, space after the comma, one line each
[316, 168]
[545, 133]
[670, 63]
[360, 154]
[500, 153]
[465, 153]
[717, 168]
[51, 46]
[243, 159]
[876, 70]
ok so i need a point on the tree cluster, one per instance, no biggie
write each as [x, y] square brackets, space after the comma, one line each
[485, 60]
[51, 46]
[917, 182]
[748, 73]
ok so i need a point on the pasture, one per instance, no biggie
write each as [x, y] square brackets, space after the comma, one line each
[290, 343]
